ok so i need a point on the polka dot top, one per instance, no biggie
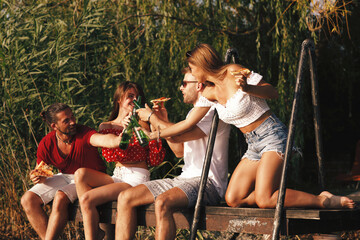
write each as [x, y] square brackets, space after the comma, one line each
[153, 153]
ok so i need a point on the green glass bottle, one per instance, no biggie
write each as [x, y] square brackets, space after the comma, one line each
[140, 135]
[137, 103]
[126, 137]
[142, 138]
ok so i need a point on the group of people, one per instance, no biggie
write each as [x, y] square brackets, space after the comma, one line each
[208, 84]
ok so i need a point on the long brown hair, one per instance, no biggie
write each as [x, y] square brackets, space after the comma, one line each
[120, 93]
[206, 57]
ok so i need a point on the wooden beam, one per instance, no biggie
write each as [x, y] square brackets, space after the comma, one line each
[244, 220]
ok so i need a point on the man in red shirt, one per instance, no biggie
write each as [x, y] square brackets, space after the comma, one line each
[68, 147]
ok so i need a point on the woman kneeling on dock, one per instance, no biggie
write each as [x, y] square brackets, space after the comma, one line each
[239, 97]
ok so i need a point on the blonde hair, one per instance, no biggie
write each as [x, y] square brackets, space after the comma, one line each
[207, 58]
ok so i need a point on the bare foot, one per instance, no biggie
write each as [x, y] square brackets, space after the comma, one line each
[333, 201]
[101, 234]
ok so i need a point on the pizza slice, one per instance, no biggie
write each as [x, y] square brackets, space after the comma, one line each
[42, 170]
[158, 100]
[243, 71]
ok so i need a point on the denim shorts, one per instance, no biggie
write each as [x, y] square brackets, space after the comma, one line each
[59, 182]
[190, 186]
[271, 135]
[131, 175]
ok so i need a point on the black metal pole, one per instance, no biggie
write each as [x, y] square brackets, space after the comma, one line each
[316, 108]
[204, 175]
[289, 143]
[232, 52]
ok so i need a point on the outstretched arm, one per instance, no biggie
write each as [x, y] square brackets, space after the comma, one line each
[105, 140]
[178, 128]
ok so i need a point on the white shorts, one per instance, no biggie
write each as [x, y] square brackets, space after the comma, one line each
[59, 182]
[131, 175]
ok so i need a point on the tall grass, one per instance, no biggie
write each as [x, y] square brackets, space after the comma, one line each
[77, 52]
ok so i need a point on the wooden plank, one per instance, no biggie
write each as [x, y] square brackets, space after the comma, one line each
[244, 220]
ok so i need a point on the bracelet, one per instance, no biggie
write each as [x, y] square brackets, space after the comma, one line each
[150, 115]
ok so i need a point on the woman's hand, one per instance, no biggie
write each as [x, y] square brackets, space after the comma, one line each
[240, 80]
[126, 121]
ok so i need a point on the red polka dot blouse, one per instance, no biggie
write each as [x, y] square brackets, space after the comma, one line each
[153, 153]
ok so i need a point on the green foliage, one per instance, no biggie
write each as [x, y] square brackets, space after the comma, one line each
[77, 52]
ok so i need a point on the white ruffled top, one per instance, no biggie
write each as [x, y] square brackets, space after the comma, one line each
[241, 109]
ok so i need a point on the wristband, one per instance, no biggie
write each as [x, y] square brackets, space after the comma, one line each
[150, 115]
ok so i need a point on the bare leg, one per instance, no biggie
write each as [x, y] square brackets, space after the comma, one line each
[87, 179]
[165, 205]
[93, 198]
[128, 200]
[267, 185]
[106, 190]
[38, 219]
[242, 194]
[59, 215]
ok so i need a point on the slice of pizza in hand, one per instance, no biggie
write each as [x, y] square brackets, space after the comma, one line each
[42, 170]
[158, 100]
[243, 71]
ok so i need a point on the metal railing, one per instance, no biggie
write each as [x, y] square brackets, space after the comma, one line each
[307, 53]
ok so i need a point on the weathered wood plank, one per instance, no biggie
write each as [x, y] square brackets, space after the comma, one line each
[244, 220]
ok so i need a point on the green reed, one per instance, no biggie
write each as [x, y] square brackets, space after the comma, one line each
[77, 52]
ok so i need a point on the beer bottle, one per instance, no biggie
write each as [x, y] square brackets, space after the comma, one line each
[137, 103]
[140, 135]
[126, 137]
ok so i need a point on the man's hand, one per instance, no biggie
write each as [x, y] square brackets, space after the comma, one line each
[144, 113]
[36, 179]
[161, 111]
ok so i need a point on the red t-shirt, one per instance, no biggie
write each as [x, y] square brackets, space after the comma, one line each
[82, 153]
[153, 153]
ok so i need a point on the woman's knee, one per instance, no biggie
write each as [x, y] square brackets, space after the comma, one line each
[80, 174]
[231, 199]
[85, 201]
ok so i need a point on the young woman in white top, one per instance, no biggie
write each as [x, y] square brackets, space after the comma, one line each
[239, 97]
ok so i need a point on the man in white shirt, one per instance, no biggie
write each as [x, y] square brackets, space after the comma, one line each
[182, 191]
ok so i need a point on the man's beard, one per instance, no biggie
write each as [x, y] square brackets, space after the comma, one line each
[71, 132]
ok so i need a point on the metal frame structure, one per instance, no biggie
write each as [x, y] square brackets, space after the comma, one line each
[307, 53]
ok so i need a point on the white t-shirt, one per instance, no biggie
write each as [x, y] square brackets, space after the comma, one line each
[194, 153]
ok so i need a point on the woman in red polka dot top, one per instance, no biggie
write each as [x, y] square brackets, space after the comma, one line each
[95, 188]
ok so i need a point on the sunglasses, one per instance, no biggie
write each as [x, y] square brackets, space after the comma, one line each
[184, 83]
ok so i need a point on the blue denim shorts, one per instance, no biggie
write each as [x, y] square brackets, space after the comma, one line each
[271, 135]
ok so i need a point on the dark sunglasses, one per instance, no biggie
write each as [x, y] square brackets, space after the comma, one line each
[184, 83]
